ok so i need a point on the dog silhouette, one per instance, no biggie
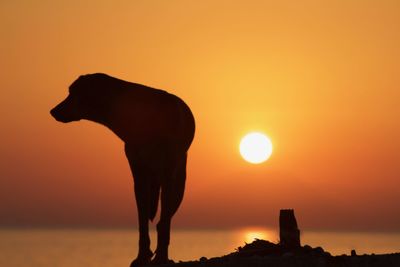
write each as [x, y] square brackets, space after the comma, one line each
[157, 129]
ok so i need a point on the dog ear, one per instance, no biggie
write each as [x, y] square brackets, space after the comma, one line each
[79, 80]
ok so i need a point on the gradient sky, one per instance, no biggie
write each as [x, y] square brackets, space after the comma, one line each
[321, 78]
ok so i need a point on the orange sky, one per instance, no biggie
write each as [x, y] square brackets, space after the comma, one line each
[321, 78]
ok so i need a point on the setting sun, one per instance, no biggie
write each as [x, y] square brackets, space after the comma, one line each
[255, 147]
[250, 235]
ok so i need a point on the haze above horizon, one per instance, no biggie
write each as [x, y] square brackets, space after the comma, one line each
[321, 78]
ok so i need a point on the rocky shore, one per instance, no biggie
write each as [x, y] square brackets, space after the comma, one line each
[264, 253]
[290, 253]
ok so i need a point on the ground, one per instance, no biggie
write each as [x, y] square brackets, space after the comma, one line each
[265, 253]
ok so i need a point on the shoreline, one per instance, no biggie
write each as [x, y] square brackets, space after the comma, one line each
[265, 253]
[382, 260]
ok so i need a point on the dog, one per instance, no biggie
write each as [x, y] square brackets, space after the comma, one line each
[157, 128]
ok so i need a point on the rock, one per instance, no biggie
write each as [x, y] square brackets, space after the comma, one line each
[327, 254]
[307, 249]
[202, 259]
[288, 230]
[287, 255]
[319, 250]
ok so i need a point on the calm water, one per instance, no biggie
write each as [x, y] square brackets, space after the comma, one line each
[116, 248]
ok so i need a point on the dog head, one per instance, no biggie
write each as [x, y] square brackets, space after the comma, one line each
[88, 98]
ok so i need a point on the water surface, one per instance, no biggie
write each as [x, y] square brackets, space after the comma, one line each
[114, 248]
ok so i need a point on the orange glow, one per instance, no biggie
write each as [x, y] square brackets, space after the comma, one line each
[250, 234]
[320, 77]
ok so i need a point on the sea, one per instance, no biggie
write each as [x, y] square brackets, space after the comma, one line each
[117, 247]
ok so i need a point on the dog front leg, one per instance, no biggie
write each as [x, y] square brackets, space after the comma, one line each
[142, 195]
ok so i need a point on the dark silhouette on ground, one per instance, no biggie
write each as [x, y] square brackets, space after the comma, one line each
[289, 253]
[157, 128]
[265, 253]
[289, 233]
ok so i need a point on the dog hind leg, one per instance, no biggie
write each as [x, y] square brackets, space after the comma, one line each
[171, 197]
[154, 198]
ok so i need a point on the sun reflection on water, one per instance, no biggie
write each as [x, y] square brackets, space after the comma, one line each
[249, 235]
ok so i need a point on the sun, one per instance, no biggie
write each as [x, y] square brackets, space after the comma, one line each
[255, 147]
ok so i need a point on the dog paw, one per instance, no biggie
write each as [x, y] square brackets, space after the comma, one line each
[142, 259]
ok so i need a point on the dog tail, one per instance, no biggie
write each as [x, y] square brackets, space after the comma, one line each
[154, 199]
